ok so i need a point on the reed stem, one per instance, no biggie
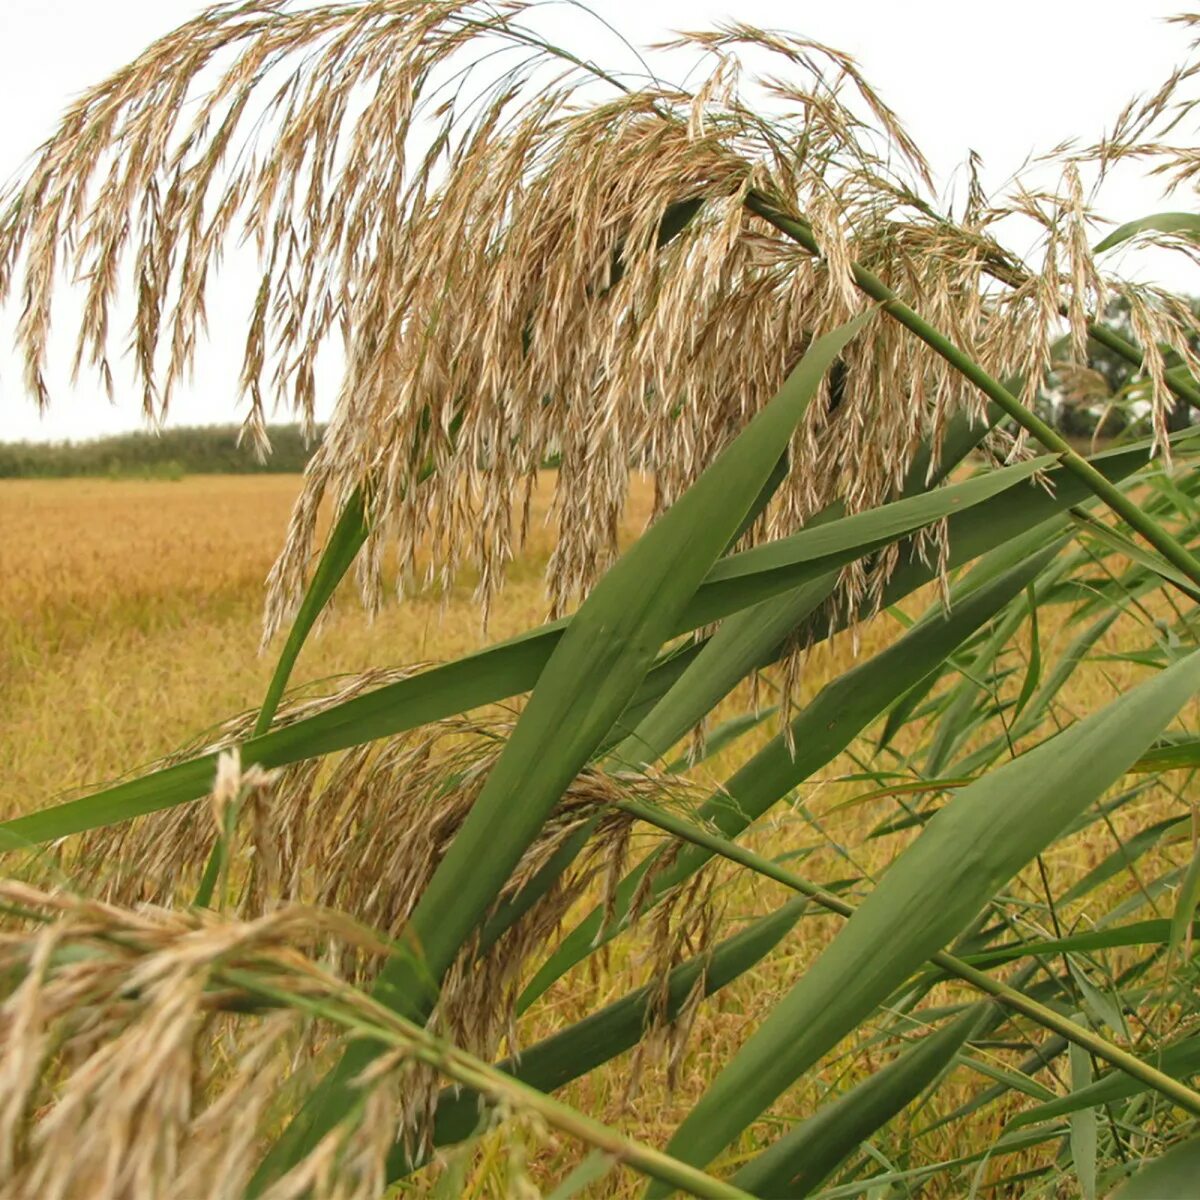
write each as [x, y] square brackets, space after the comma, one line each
[871, 285]
[1179, 1093]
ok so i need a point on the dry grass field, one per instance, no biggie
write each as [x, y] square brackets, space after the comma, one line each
[129, 623]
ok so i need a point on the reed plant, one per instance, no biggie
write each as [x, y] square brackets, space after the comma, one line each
[294, 958]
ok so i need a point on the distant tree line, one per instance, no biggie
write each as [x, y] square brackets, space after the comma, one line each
[1105, 396]
[173, 453]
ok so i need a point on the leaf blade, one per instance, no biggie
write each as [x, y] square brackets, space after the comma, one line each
[974, 845]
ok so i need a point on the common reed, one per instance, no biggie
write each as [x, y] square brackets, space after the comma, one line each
[527, 256]
[748, 288]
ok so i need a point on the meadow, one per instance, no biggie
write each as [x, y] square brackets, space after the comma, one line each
[129, 623]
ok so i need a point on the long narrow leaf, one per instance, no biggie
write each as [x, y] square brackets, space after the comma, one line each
[618, 1027]
[974, 845]
[797, 1163]
[604, 653]
[840, 712]
[1187, 224]
[1173, 1176]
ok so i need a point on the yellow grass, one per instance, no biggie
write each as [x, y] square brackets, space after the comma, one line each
[129, 622]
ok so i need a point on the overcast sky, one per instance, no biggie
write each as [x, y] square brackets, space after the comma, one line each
[1005, 80]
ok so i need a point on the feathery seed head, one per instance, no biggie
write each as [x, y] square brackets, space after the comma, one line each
[527, 257]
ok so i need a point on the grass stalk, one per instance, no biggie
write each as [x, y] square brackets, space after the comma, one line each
[871, 285]
[1177, 1092]
[392, 1029]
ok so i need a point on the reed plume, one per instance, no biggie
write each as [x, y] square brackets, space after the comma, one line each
[525, 257]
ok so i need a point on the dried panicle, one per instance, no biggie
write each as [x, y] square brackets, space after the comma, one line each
[672, 941]
[124, 1072]
[131, 1067]
[363, 835]
[526, 257]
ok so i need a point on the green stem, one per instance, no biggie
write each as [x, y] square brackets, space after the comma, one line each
[1178, 379]
[1175, 1091]
[871, 285]
[1008, 272]
[390, 1028]
[344, 543]
[345, 540]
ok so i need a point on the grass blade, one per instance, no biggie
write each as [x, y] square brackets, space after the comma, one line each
[1083, 1122]
[513, 666]
[971, 848]
[822, 731]
[797, 1163]
[614, 1029]
[1171, 1177]
[345, 541]
[1171, 222]
[1179, 1060]
[605, 652]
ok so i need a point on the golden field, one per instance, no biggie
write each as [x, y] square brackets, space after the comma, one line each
[129, 620]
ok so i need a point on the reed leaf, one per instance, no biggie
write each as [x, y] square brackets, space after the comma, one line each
[982, 514]
[839, 713]
[613, 1030]
[605, 651]
[1181, 223]
[1170, 1177]
[804, 1157]
[971, 848]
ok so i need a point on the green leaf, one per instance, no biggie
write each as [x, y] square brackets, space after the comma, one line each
[1036, 709]
[838, 714]
[573, 1052]
[776, 566]
[511, 667]
[1185, 902]
[1033, 671]
[1122, 858]
[345, 541]
[1083, 1121]
[960, 717]
[605, 652]
[1179, 1060]
[593, 1169]
[1170, 756]
[1120, 544]
[1015, 1081]
[1173, 1176]
[1137, 933]
[966, 853]
[1020, 1079]
[1101, 1008]
[745, 641]
[977, 521]
[797, 1163]
[723, 736]
[750, 639]
[1187, 224]
[452, 1182]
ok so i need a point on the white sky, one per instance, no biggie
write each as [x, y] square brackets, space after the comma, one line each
[1002, 79]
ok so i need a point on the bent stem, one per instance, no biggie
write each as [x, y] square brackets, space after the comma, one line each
[390, 1028]
[871, 285]
[1177, 378]
[1179, 1093]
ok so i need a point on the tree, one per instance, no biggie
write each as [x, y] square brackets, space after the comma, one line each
[1112, 394]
